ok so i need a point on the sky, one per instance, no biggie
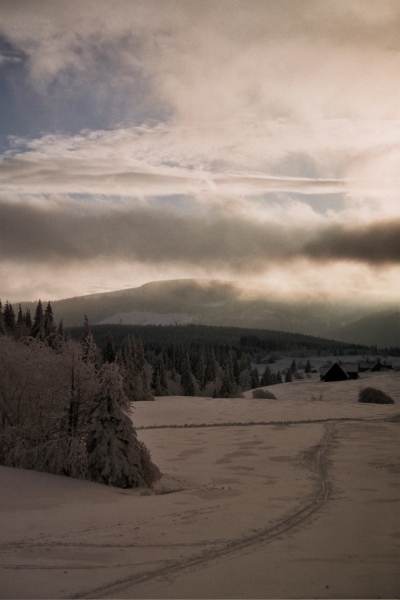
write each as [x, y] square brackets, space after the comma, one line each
[254, 141]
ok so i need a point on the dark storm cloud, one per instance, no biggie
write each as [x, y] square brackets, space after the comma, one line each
[375, 244]
[207, 238]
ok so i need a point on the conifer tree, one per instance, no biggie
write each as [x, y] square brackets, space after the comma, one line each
[159, 383]
[234, 365]
[115, 456]
[21, 328]
[266, 378]
[134, 370]
[60, 329]
[201, 372]
[255, 378]
[9, 318]
[279, 377]
[245, 362]
[308, 367]
[187, 377]
[28, 318]
[109, 352]
[288, 376]
[89, 348]
[20, 318]
[49, 325]
[38, 328]
[144, 370]
[211, 367]
[2, 325]
[229, 385]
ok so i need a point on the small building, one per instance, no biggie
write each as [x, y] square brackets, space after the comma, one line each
[339, 372]
[374, 365]
[366, 365]
[351, 369]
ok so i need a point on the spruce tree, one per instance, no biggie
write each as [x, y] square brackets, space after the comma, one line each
[255, 378]
[159, 383]
[187, 377]
[135, 370]
[308, 367]
[2, 325]
[49, 325]
[266, 378]
[38, 329]
[9, 318]
[143, 370]
[109, 353]
[20, 318]
[229, 386]
[201, 372]
[28, 319]
[115, 455]
[60, 329]
[211, 367]
[21, 328]
[89, 348]
[288, 376]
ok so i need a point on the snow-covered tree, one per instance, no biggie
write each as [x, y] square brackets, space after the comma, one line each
[89, 348]
[187, 382]
[132, 360]
[159, 383]
[115, 455]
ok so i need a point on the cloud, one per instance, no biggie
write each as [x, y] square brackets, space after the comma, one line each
[61, 233]
[24, 174]
[237, 106]
[375, 244]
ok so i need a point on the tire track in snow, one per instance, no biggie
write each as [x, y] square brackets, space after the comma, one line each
[316, 459]
[253, 423]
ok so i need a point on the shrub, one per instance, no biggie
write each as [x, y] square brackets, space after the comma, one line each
[371, 394]
[265, 394]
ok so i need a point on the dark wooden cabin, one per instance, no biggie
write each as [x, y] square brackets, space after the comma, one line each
[340, 372]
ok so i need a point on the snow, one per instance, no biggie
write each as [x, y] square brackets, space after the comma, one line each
[255, 502]
[138, 317]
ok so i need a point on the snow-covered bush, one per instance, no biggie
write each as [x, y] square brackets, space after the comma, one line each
[375, 396]
[263, 394]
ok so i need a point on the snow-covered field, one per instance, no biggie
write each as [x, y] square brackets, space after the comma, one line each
[296, 497]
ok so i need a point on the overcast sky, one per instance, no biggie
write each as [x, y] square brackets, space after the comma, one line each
[256, 141]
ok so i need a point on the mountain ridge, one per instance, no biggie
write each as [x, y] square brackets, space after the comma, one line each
[223, 303]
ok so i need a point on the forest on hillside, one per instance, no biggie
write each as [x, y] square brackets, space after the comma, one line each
[255, 341]
[214, 361]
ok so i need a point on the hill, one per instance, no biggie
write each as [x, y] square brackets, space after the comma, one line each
[210, 302]
[380, 329]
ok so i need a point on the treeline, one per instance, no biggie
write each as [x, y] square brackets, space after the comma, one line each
[257, 342]
[200, 360]
[64, 406]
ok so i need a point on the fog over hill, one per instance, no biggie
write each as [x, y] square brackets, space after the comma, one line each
[211, 302]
